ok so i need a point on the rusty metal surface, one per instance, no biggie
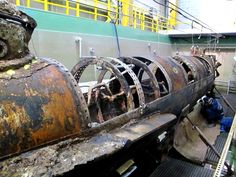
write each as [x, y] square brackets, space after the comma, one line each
[41, 102]
[135, 80]
[175, 72]
[79, 99]
[160, 73]
[208, 64]
[187, 95]
[14, 38]
[62, 157]
[145, 127]
[38, 105]
[166, 104]
[188, 64]
[199, 66]
[211, 59]
[177, 79]
[142, 67]
[103, 114]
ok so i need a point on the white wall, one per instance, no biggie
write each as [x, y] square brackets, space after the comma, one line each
[146, 4]
[219, 14]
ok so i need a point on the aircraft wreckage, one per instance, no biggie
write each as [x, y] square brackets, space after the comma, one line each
[47, 123]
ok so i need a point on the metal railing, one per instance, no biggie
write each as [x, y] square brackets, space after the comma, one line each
[122, 12]
[231, 137]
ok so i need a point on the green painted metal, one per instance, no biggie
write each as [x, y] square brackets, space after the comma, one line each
[226, 41]
[233, 155]
[59, 22]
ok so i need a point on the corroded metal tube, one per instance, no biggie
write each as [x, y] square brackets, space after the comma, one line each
[177, 76]
[38, 104]
[40, 101]
[200, 67]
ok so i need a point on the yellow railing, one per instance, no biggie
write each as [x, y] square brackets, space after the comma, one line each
[123, 12]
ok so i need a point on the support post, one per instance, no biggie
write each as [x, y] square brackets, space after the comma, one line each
[77, 8]
[28, 3]
[95, 9]
[173, 14]
[125, 12]
[45, 5]
[67, 7]
[18, 2]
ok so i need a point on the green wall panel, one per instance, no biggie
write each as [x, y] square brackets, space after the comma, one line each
[225, 41]
[59, 22]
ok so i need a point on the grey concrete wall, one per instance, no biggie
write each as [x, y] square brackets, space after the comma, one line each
[62, 46]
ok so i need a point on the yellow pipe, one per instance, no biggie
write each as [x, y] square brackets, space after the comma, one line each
[142, 21]
[18, 2]
[152, 25]
[135, 19]
[125, 12]
[57, 5]
[77, 8]
[88, 12]
[67, 7]
[95, 9]
[27, 3]
[131, 15]
[109, 9]
[39, 1]
[45, 5]
[173, 14]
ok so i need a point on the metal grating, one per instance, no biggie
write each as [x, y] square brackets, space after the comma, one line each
[231, 98]
[173, 167]
[211, 157]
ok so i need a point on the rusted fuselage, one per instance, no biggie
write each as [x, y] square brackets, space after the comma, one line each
[138, 82]
[143, 119]
[41, 102]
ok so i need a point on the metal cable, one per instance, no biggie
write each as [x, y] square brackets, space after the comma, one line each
[197, 21]
[116, 33]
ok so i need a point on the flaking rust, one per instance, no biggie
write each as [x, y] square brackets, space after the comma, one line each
[39, 101]
[62, 157]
